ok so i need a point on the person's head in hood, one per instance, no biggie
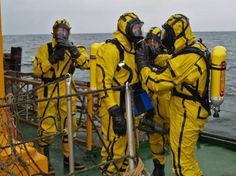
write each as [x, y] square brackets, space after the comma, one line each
[176, 33]
[130, 26]
[153, 37]
[61, 28]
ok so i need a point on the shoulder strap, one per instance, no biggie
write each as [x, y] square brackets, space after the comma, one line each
[50, 49]
[121, 62]
[118, 46]
[190, 49]
[204, 101]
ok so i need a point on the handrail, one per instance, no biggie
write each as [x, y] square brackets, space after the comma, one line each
[65, 96]
[223, 141]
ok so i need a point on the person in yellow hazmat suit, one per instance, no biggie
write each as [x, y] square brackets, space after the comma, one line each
[116, 66]
[161, 101]
[187, 75]
[52, 62]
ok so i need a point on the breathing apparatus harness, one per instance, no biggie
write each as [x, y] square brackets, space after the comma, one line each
[204, 100]
[54, 78]
[138, 93]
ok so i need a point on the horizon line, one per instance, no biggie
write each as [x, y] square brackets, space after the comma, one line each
[102, 33]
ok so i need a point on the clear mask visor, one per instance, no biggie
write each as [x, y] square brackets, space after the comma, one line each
[61, 32]
[163, 33]
[137, 29]
[152, 42]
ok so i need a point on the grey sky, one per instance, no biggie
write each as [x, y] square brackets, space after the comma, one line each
[96, 16]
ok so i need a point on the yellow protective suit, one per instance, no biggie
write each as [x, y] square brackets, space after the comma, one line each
[50, 112]
[161, 102]
[109, 74]
[187, 117]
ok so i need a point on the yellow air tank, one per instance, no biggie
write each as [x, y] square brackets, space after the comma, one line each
[218, 73]
[93, 51]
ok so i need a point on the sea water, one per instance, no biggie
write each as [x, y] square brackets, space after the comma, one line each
[225, 125]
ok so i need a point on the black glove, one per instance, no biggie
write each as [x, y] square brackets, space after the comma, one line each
[74, 52]
[58, 54]
[62, 41]
[142, 55]
[154, 52]
[149, 114]
[119, 122]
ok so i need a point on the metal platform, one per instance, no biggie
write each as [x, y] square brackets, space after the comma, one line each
[214, 160]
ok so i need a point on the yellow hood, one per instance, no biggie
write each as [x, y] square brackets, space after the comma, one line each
[122, 32]
[155, 31]
[54, 42]
[182, 30]
[124, 41]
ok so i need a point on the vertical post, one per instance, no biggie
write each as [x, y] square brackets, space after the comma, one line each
[130, 128]
[2, 87]
[90, 104]
[27, 105]
[89, 123]
[70, 126]
[15, 61]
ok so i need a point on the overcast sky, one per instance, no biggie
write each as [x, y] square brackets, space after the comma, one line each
[98, 16]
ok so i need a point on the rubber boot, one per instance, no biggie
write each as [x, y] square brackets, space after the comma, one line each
[66, 152]
[45, 151]
[159, 169]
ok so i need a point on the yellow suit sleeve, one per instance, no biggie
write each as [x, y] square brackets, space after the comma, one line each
[83, 60]
[107, 60]
[178, 69]
[161, 59]
[41, 63]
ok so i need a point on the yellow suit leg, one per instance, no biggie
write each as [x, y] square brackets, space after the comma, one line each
[116, 145]
[184, 132]
[157, 141]
[47, 112]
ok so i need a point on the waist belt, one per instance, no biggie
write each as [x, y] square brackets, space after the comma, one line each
[184, 96]
[135, 86]
[48, 80]
[195, 97]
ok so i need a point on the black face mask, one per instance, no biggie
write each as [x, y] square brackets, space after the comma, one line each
[168, 44]
[134, 37]
[169, 39]
[154, 52]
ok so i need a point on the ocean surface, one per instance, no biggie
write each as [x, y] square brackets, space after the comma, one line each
[225, 125]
